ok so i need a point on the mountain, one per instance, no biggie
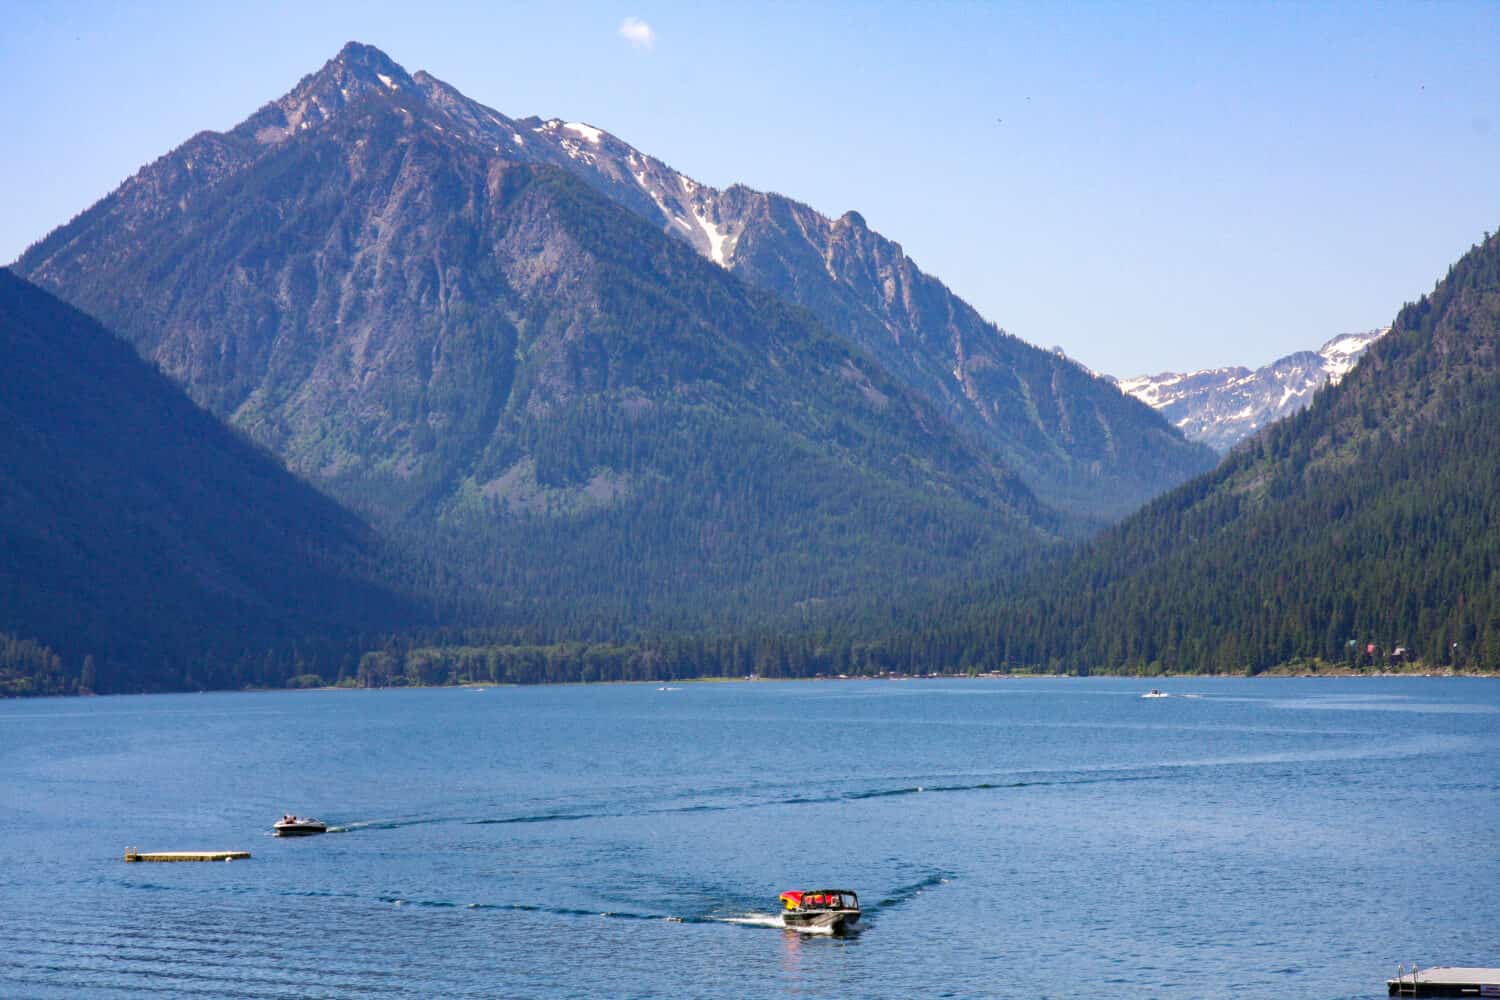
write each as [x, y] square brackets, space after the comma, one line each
[590, 421]
[1365, 524]
[1077, 444]
[140, 531]
[1074, 442]
[1223, 406]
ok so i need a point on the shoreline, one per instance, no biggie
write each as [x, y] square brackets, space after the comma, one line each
[1273, 673]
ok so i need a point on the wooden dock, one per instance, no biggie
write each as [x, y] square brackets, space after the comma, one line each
[131, 854]
[1444, 982]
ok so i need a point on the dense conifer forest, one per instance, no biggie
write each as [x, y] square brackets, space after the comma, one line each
[1361, 533]
[1364, 531]
[143, 541]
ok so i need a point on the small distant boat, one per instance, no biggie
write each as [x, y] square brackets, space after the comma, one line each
[1154, 693]
[834, 909]
[299, 826]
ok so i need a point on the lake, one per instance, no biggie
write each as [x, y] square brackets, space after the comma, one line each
[1016, 838]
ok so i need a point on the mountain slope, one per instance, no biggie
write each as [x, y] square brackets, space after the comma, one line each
[1223, 406]
[138, 529]
[1370, 520]
[582, 413]
[1074, 441]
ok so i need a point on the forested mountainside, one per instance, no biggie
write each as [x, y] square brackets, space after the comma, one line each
[1223, 406]
[589, 421]
[617, 451]
[1361, 531]
[1077, 443]
[140, 533]
[1366, 524]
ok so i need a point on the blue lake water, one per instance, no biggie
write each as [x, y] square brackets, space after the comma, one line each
[1025, 838]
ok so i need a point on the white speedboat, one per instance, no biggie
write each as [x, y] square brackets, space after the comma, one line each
[299, 826]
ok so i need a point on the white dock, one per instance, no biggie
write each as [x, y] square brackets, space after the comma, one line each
[1444, 982]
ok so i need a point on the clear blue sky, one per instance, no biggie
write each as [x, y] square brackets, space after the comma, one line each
[1149, 186]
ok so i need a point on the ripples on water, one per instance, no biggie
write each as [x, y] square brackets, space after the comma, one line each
[1008, 838]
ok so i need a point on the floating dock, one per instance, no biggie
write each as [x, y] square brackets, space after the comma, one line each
[131, 854]
[1444, 982]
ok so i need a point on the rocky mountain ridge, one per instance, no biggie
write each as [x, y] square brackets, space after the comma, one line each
[1223, 406]
[1075, 443]
[483, 351]
[1076, 446]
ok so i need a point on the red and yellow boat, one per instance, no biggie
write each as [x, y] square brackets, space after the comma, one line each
[837, 910]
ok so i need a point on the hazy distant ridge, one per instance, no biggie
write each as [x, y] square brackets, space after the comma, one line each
[1223, 406]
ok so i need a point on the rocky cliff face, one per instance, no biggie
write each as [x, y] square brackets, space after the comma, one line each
[374, 278]
[1223, 406]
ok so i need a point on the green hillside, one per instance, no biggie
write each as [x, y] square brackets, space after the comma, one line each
[142, 534]
[1371, 519]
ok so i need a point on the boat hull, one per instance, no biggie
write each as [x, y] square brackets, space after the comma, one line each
[301, 829]
[836, 921]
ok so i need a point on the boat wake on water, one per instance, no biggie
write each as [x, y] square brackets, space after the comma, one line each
[905, 893]
[393, 824]
[1165, 770]
[892, 898]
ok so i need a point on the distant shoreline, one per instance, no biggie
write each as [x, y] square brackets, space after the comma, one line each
[1275, 672]
[1279, 673]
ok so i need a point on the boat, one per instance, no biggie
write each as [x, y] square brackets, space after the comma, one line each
[1153, 693]
[299, 826]
[836, 910]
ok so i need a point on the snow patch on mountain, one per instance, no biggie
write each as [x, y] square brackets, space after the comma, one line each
[587, 131]
[1340, 353]
[716, 238]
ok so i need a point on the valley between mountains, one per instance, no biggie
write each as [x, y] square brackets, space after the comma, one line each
[455, 396]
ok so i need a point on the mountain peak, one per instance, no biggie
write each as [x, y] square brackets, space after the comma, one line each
[370, 65]
[357, 71]
[358, 63]
[360, 53]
